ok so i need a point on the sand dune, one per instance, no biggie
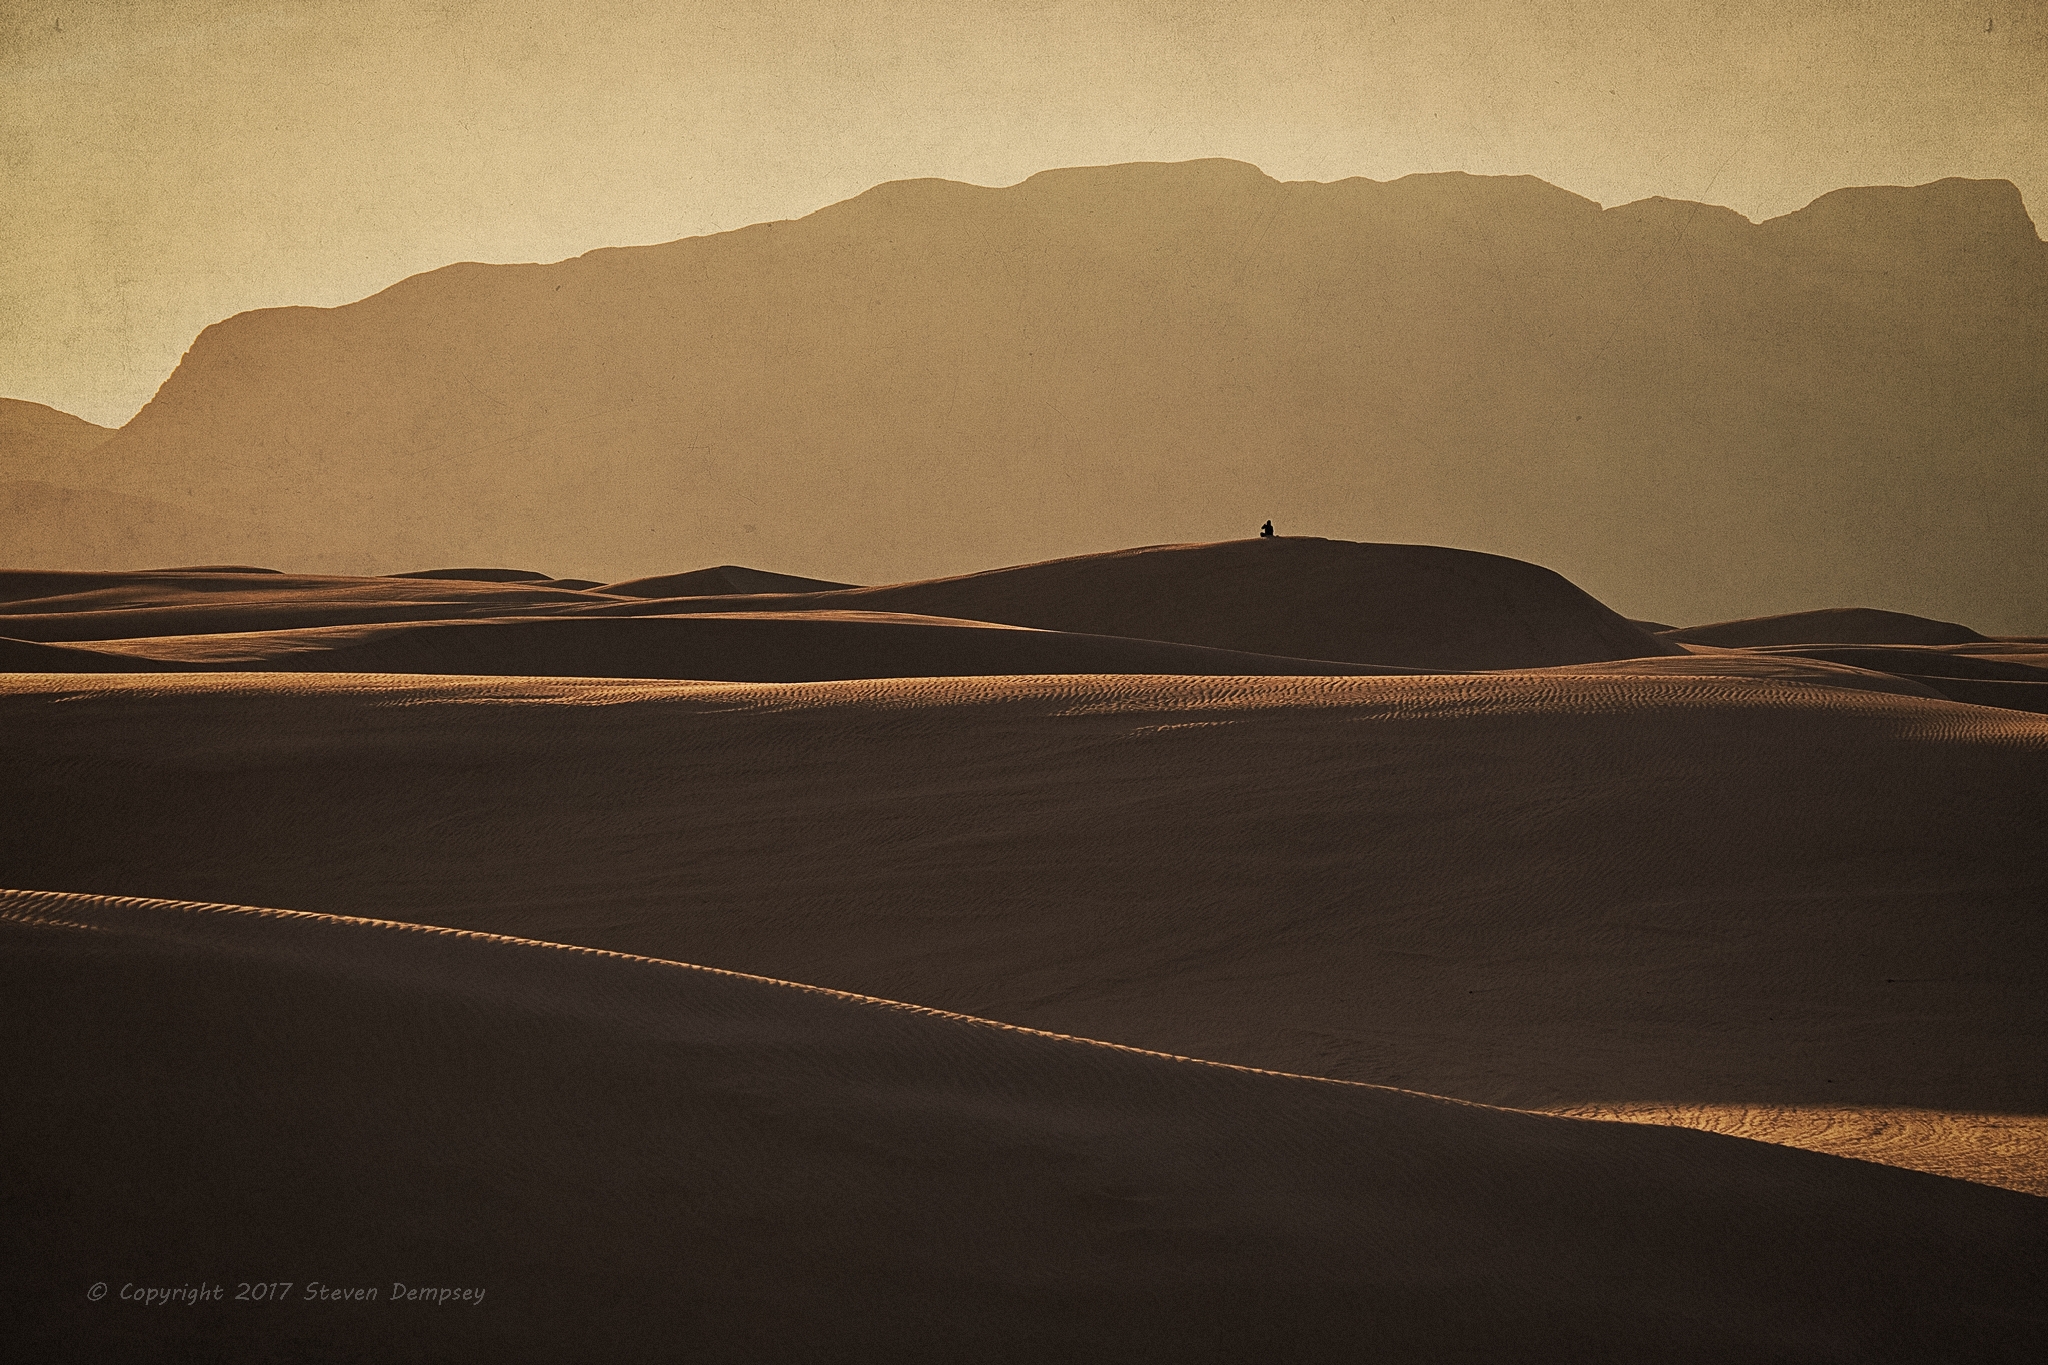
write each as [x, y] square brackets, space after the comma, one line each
[720, 581]
[736, 647]
[2017, 679]
[1404, 606]
[1526, 889]
[113, 606]
[1763, 666]
[630, 1157]
[1992, 660]
[525, 576]
[29, 656]
[796, 646]
[479, 575]
[1838, 625]
[1416, 606]
[1112, 613]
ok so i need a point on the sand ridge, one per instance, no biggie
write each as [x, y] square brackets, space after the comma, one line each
[1189, 609]
[1990, 1149]
[1406, 606]
[1414, 606]
[1563, 887]
[1074, 1201]
[1986, 673]
[803, 646]
[1838, 625]
[87, 607]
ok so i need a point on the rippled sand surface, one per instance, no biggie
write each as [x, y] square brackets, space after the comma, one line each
[2009, 1150]
[1056, 1016]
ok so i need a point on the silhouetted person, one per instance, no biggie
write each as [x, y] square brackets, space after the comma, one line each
[1266, 531]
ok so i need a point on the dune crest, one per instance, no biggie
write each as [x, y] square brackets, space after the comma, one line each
[794, 646]
[1327, 603]
[1413, 606]
[1834, 626]
[1150, 1208]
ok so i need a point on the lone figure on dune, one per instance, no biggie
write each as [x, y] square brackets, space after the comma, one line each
[1266, 531]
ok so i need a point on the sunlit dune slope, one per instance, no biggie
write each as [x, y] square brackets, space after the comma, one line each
[632, 1157]
[1986, 673]
[1521, 888]
[1737, 665]
[1416, 606]
[28, 656]
[114, 606]
[1992, 1149]
[1413, 606]
[763, 647]
[2002, 673]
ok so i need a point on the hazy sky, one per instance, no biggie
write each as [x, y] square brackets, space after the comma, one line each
[169, 162]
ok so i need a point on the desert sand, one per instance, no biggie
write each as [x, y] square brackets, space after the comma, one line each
[635, 1157]
[1001, 968]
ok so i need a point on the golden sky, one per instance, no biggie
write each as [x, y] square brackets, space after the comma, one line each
[170, 162]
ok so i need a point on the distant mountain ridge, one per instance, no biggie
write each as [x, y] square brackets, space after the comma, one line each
[1694, 417]
[39, 444]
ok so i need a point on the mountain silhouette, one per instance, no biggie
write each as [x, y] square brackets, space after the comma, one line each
[51, 514]
[1695, 417]
[39, 444]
